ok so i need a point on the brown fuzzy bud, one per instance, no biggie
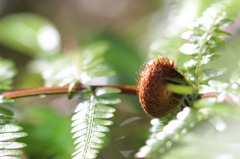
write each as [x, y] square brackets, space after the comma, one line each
[155, 98]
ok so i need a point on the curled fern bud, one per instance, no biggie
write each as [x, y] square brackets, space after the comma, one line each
[155, 98]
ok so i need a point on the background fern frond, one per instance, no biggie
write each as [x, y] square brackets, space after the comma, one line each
[8, 128]
[162, 141]
[80, 65]
[93, 64]
[58, 70]
[204, 37]
[175, 135]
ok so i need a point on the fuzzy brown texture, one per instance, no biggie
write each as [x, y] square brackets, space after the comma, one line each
[152, 87]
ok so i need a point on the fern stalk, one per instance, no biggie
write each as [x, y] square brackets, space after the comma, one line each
[90, 125]
[125, 89]
[201, 51]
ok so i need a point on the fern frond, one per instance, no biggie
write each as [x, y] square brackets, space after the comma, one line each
[58, 70]
[210, 138]
[162, 141]
[93, 64]
[83, 65]
[90, 118]
[8, 128]
[89, 123]
[176, 131]
[204, 37]
[9, 131]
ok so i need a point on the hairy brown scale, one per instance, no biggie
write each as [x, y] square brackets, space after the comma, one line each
[153, 94]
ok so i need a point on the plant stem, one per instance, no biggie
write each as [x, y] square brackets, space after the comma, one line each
[202, 50]
[125, 89]
[62, 90]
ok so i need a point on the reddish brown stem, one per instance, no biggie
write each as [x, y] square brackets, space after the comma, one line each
[61, 90]
[125, 89]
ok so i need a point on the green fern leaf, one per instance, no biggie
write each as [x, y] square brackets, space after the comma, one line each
[89, 124]
[172, 134]
[8, 128]
[7, 154]
[6, 111]
[162, 141]
[209, 73]
[7, 119]
[63, 69]
[204, 39]
[9, 131]
[214, 57]
[58, 70]
[190, 49]
[93, 64]
[101, 92]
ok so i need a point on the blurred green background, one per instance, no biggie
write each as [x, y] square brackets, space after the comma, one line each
[35, 29]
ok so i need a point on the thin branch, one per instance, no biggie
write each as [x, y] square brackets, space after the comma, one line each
[63, 90]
